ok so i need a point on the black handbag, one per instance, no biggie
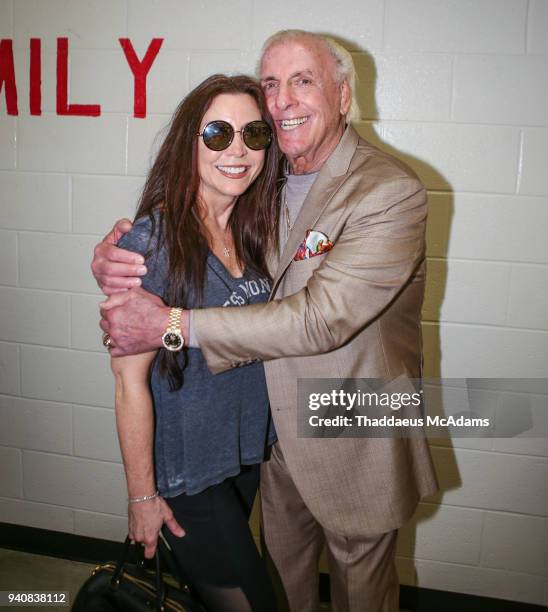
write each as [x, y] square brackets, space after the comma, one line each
[125, 586]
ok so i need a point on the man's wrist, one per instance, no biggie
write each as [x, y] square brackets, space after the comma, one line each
[166, 323]
[161, 326]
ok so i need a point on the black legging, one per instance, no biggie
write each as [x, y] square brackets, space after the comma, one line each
[218, 553]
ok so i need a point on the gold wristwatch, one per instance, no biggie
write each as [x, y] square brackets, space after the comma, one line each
[173, 337]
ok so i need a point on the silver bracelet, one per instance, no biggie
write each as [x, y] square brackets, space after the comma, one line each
[136, 500]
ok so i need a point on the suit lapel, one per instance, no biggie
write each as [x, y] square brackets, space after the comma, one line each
[332, 175]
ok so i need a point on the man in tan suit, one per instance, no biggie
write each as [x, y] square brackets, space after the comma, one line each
[346, 307]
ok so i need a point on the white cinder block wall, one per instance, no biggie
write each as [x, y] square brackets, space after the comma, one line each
[458, 88]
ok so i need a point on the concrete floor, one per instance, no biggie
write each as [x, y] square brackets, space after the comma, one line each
[25, 572]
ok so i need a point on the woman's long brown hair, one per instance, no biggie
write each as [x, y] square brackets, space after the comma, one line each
[172, 187]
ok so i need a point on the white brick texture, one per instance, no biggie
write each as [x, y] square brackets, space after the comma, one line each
[31, 514]
[34, 317]
[491, 352]
[436, 530]
[203, 65]
[167, 81]
[466, 292]
[8, 258]
[34, 202]
[186, 24]
[532, 312]
[79, 483]
[94, 145]
[404, 87]
[67, 376]
[513, 542]
[96, 525]
[534, 178]
[491, 89]
[95, 433]
[538, 25]
[10, 374]
[459, 166]
[358, 23]
[532, 441]
[516, 586]
[474, 469]
[85, 331]
[7, 138]
[51, 261]
[98, 200]
[88, 24]
[144, 141]
[6, 14]
[36, 425]
[472, 26]
[11, 474]
[484, 227]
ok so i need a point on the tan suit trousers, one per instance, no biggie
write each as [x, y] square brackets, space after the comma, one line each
[362, 568]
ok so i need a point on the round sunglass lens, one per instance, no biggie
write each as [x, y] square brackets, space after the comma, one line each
[257, 135]
[217, 135]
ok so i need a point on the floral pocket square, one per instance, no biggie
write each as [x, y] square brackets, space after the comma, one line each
[315, 243]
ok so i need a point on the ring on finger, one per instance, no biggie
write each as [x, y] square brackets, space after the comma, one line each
[107, 341]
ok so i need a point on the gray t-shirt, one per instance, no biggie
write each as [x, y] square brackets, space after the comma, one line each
[213, 424]
[295, 191]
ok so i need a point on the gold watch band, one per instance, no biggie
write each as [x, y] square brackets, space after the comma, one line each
[173, 336]
[174, 324]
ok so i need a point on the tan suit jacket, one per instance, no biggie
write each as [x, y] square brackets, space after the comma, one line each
[353, 312]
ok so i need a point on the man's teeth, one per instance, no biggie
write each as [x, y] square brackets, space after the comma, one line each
[232, 169]
[291, 124]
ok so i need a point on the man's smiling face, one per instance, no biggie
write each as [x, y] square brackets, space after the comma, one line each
[308, 104]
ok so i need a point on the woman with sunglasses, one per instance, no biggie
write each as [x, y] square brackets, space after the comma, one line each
[204, 225]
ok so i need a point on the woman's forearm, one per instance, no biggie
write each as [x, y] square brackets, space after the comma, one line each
[135, 423]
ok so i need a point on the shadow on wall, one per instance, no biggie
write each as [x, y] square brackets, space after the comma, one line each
[440, 214]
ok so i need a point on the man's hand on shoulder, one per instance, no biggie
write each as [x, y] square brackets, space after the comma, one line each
[116, 269]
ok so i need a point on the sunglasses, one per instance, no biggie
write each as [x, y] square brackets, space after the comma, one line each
[218, 135]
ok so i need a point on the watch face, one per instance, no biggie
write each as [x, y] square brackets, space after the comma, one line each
[172, 340]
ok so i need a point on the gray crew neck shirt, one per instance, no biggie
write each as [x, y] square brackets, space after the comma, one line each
[213, 424]
[296, 189]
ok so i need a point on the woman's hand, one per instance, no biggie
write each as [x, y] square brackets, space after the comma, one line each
[145, 519]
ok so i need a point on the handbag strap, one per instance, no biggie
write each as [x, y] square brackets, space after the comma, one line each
[117, 575]
[158, 575]
[160, 586]
[171, 563]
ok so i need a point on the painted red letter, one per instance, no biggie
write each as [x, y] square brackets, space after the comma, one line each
[63, 106]
[35, 89]
[140, 72]
[7, 75]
